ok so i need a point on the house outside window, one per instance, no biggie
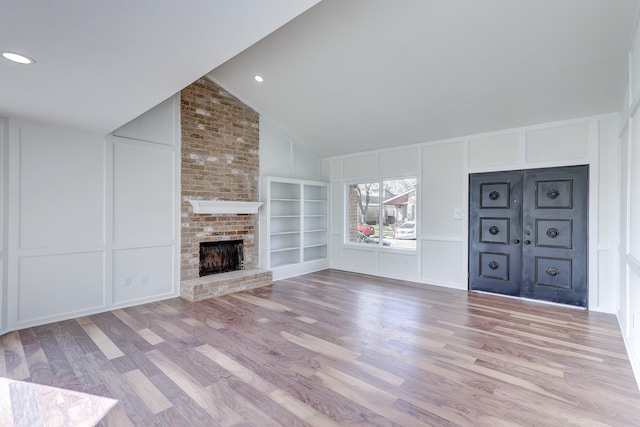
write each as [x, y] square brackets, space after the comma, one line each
[383, 213]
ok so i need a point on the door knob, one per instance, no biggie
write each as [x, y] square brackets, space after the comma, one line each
[527, 242]
[516, 241]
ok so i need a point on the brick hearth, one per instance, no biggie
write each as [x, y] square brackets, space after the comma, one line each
[224, 283]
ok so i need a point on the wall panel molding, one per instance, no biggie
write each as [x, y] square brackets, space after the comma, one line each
[54, 274]
[585, 138]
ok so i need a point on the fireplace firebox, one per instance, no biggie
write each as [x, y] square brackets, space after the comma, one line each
[221, 257]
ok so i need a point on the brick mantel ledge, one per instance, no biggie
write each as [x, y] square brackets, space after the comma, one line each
[217, 285]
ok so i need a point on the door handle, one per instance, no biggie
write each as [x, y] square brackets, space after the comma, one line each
[516, 241]
[527, 242]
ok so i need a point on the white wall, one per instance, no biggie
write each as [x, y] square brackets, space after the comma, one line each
[281, 156]
[56, 257]
[87, 211]
[146, 200]
[443, 169]
[4, 170]
[628, 168]
[443, 188]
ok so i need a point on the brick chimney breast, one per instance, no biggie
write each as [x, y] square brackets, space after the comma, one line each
[220, 161]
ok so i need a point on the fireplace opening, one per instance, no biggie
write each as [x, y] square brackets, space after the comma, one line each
[220, 257]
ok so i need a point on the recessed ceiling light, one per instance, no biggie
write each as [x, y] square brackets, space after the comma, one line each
[16, 57]
[259, 78]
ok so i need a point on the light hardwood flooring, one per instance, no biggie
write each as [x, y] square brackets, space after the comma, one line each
[334, 348]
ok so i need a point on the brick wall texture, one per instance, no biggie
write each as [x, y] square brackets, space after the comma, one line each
[220, 161]
[354, 213]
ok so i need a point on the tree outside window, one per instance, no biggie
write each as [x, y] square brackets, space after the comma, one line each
[383, 213]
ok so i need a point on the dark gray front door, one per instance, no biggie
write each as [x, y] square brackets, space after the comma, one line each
[528, 234]
[495, 227]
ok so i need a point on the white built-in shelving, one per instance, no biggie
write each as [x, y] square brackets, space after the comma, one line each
[294, 226]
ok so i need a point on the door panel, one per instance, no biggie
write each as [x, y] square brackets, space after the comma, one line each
[528, 234]
[494, 258]
[555, 262]
[554, 233]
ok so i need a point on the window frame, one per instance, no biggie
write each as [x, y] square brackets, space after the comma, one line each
[349, 227]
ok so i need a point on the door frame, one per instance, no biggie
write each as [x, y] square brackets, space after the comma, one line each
[595, 251]
[602, 143]
[519, 279]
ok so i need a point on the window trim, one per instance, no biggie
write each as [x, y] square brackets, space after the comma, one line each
[380, 244]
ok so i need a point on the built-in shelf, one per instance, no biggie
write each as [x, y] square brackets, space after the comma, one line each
[218, 207]
[315, 245]
[282, 233]
[292, 248]
[294, 234]
[318, 258]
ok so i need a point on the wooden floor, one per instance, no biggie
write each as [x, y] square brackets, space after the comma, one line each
[334, 348]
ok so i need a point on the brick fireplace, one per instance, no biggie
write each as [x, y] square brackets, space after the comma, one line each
[220, 161]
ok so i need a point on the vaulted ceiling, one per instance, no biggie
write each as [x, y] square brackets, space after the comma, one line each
[100, 64]
[342, 76]
[348, 76]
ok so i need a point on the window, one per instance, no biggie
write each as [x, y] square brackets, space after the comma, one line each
[383, 213]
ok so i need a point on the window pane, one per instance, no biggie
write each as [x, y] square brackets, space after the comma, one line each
[364, 211]
[386, 218]
[400, 213]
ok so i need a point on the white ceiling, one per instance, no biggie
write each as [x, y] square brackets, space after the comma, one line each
[349, 76]
[343, 77]
[102, 63]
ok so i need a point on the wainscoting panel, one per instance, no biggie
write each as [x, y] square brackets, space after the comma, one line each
[364, 165]
[443, 263]
[63, 285]
[443, 183]
[399, 162]
[359, 260]
[557, 143]
[143, 273]
[61, 192]
[143, 196]
[398, 265]
[494, 151]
